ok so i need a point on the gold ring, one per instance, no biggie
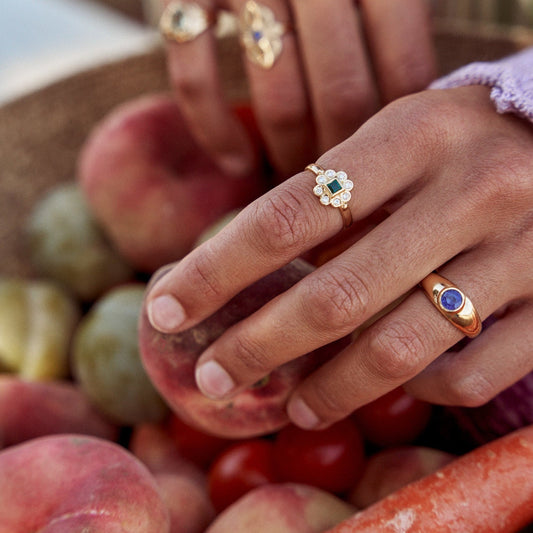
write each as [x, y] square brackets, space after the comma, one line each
[261, 34]
[333, 188]
[184, 21]
[452, 303]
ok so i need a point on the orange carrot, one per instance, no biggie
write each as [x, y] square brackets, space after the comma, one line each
[489, 490]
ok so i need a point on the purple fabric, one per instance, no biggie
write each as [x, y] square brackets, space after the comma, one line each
[511, 80]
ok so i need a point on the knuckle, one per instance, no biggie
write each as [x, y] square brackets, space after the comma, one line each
[189, 87]
[395, 351]
[472, 390]
[341, 299]
[203, 273]
[279, 223]
[250, 357]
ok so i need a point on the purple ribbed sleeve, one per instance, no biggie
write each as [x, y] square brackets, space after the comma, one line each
[511, 80]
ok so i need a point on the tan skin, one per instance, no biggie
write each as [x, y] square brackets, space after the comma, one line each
[457, 180]
[342, 61]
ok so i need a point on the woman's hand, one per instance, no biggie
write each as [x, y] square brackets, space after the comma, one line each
[457, 180]
[339, 61]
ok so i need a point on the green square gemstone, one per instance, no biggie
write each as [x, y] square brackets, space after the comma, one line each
[334, 186]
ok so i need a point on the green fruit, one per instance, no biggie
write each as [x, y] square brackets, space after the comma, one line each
[67, 244]
[37, 320]
[107, 363]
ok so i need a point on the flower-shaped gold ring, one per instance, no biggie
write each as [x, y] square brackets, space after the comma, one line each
[334, 189]
[261, 34]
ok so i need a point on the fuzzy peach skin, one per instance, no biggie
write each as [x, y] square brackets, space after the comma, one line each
[170, 362]
[76, 483]
[393, 468]
[150, 185]
[35, 409]
[276, 508]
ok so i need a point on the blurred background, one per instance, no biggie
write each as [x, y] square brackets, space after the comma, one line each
[44, 40]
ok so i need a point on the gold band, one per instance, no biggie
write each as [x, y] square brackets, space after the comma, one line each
[333, 188]
[184, 21]
[261, 34]
[452, 304]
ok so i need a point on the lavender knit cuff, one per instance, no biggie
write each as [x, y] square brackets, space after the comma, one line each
[511, 80]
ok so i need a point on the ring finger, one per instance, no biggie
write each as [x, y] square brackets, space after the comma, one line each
[194, 75]
[402, 343]
[278, 93]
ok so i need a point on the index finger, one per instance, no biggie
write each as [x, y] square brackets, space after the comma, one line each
[284, 223]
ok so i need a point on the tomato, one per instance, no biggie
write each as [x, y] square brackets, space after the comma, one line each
[331, 459]
[238, 469]
[195, 445]
[393, 419]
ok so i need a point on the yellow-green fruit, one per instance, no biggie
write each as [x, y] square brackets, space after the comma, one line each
[107, 363]
[37, 320]
[67, 244]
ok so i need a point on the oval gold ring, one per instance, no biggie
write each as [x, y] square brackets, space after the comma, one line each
[452, 303]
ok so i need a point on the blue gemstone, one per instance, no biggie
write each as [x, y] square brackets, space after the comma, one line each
[334, 186]
[257, 35]
[451, 300]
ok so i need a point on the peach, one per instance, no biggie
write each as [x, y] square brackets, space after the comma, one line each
[151, 186]
[388, 470]
[77, 483]
[182, 485]
[35, 409]
[106, 360]
[287, 507]
[68, 245]
[170, 362]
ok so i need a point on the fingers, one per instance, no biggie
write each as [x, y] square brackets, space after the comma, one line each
[340, 296]
[282, 224]
[280, 99]
[405, 341]
[193, 73]
[400, 43]
[338, 73]
[486, 366]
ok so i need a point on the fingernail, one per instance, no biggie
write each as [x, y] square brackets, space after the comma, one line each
[302, 415]
[165, 313]
[213, 380]
[235, 165]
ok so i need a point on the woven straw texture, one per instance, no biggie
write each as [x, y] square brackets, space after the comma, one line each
[41, 134]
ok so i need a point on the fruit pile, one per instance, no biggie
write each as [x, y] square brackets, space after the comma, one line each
[102, 427]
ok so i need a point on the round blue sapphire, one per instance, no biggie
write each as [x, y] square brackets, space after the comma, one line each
[257, 35]
[451, 300]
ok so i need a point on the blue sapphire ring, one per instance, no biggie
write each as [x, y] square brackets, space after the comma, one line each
[261, 34]
[333, 188]
[452, 303]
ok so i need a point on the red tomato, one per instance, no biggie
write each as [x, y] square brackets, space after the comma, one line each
[195, 445]
[238, 469]
[393, 419]
[331, 459]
